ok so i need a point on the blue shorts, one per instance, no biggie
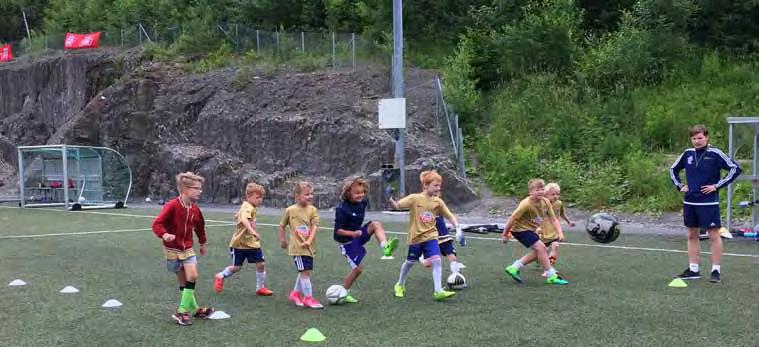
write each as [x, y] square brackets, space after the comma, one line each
[252, 255]
[175, 265]
[447, 248]
[526, 238]
[303, 263]
[701, 216]
[354, 250]
[427, 248]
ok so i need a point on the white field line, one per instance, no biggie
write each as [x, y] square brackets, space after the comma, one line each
[227, 223]
[91, 232]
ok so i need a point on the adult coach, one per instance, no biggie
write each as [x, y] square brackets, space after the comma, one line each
[703, 165]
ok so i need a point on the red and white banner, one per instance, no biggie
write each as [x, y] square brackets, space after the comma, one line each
[6, 53]
[79, 41]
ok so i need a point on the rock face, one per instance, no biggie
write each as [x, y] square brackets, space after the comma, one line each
[230, 126]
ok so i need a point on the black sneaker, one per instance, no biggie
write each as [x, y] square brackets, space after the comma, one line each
[182, 318]
[689, 275]
[714, 278]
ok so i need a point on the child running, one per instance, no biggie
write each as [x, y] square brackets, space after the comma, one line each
[549, 236]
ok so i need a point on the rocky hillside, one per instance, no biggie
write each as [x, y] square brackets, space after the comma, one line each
[229, 126]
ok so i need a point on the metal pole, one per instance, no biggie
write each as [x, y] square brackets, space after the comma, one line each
[400, 144]
[258, 43]
[122, 37]
[730, 187]
[302, 42]
[277, 34]
[753, 186]
[353, 51]
[22, 194]
[65, 184]
[28, 33]
[334, 59]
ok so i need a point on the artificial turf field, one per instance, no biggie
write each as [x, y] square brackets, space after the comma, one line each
[616, 297]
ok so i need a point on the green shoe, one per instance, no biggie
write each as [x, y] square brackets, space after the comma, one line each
[390, 247]
[400, 290]
[443, 295]
[555, 279]
[514, 273]
[350, 299]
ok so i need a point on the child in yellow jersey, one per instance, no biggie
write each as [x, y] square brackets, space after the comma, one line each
[246, 242]
[549, 236]
[422, 233]
[302, 220]
[524, 224]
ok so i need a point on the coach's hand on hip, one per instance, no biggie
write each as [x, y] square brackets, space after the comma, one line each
[684, 189]
[708, 189]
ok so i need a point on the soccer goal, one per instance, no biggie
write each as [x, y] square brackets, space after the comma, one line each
[743, 137]
[75, 177]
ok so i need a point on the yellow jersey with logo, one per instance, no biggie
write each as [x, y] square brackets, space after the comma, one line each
[422, 212]
[300, 219]
[242, 238]
[530, 214]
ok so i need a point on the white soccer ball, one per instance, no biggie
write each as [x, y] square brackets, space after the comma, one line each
[336, 294]
[147, 199]
[456, 281]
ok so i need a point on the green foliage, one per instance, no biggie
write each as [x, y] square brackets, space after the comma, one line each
[216, 60]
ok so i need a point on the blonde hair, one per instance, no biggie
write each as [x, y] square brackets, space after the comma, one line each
[429, 176]
[353, 181]
[301, 187]
[185, 179]
[254, 188]
[536, 183]
[552, 187]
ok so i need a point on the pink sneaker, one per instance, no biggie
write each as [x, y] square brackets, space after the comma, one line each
[310, 302]
[295, 298]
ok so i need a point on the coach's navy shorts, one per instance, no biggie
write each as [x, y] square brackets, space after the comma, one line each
[527, 237]
[701, 216]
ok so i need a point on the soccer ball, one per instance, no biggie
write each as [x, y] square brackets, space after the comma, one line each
[456, 281]
[336, 294]
[147, 200]
[602, 228]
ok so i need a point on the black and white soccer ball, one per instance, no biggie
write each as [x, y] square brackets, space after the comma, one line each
[456, 281]
[602, 228]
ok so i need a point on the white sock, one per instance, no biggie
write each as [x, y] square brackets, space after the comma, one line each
[550, 272]
[297, 284]
[260, 279]
[716, 267]
[382, 245]
[405, 267]
[437, 274]
[693, 267]
[305, 283]
[518, 264]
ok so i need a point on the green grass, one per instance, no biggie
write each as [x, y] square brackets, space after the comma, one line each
[616, 296]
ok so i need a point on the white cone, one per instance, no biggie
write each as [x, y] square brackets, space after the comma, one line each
[17, 283]
[69, 290]
[219, 315]
[112, 303]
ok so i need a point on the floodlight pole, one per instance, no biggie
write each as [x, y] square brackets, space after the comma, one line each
[400, 143]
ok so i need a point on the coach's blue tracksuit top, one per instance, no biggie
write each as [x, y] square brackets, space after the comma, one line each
[702, 167]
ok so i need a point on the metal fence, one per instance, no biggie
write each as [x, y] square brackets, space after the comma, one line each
[340, 50]
[447, 121]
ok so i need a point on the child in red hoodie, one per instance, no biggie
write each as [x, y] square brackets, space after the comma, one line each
[174, 225]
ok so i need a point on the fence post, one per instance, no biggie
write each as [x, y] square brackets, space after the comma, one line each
[334, 57]
[258, 43]
[277, 36]
[462, 163]
[302, 42]
[122, 37]
[353, 51]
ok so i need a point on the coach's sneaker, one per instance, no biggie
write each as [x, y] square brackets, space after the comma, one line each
[182, 318]
[264, 292]
[715, 277]
[310, 302]
[555, 279]
[204, 312]
[512, 271]
[390, 247]
[689, 275]
[443, 295]
[349, 299]
[218, 282]
[400, 290]
[295, 298]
